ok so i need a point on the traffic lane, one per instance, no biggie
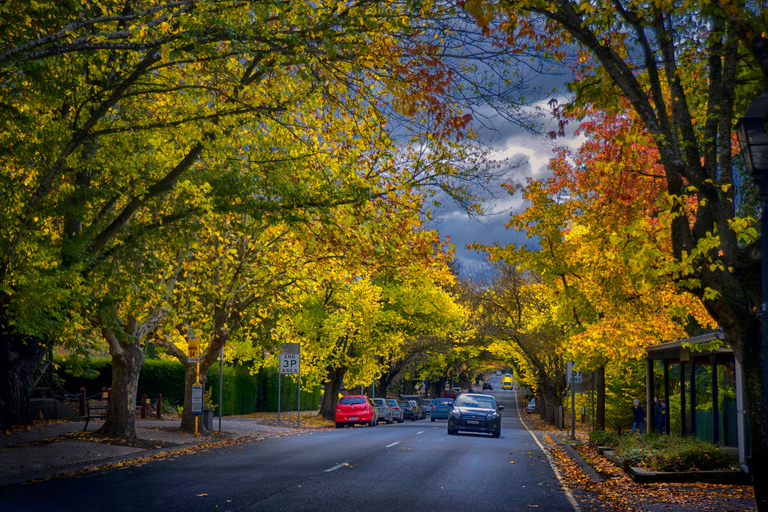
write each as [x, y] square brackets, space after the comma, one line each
[231, 477]
[434, 472]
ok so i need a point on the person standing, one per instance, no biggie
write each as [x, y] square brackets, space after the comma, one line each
[657, 415]
[638, 414]
[662, 417]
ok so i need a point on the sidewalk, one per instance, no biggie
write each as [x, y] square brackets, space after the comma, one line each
[55, 448]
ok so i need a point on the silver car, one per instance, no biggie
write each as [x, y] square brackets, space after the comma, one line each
[426, 403]
[398, 412]
[385, 411]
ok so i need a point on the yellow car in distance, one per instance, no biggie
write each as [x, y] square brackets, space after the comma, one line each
[506, 383]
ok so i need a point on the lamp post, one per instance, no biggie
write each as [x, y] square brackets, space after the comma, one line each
[753, 139]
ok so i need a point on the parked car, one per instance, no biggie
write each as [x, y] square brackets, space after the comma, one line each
[426, 404]
[441, 407]
[397, 411]
[411, 410]
[416, 398]
[383, 410]
[531, 407]
[355, 410]
[488, 386]
[456, 391]
[475, 412]
[498, 372]
[449, 394]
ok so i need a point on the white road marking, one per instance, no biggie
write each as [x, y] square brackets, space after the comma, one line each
[334, 468]
[393, 444]
[417, 433]
[568, 494]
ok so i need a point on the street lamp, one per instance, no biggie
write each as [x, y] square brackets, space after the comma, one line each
[753, 139]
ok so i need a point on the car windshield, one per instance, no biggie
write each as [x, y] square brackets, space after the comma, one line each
[405, 404]
[352, 400]
[392, 403]
[443, 401]
[481, 402]
[379, 401]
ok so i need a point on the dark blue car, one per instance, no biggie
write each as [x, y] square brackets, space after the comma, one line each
[440, 409]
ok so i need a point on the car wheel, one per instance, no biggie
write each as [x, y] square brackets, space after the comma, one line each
[339, 425]
[452, 432]
[497, 433]
[401, 420]
[433, 419]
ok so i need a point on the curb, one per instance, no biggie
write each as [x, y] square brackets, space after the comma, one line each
[585, 468]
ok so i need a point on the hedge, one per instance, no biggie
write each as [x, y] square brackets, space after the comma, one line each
[243, 393]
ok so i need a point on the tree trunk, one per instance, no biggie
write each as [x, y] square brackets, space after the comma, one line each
[18, 364]
[333, 381]
[126, 367]
[600, 402]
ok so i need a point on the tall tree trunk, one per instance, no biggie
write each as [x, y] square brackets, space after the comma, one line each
[600, 405]
[18, 363]
[126, 367]
[333, 381]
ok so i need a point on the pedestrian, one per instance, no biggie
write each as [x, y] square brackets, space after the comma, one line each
[638, 416]
[657, 415]
[662, 417]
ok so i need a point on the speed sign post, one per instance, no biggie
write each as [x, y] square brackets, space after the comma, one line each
[290, 363]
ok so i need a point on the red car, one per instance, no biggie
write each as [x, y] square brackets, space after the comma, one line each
[355, 409]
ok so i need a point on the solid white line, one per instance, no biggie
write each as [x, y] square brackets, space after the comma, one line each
[393, 444]
[417, 433]
[566, 490]
[334, 468]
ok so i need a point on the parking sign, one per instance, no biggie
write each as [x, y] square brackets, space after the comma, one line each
[290, 359]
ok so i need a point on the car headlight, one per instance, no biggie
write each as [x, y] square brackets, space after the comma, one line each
[455, 414]
[492, 416]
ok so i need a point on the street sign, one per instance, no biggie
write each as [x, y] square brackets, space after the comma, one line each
[290, 358]
[572, 376]
[193, 350]
[289, 364]
[197, 400]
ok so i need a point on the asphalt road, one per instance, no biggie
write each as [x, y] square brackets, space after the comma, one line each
[400, 467]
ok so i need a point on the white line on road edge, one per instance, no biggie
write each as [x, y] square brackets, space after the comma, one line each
[568, 494]
[334, 468]
[417, 433]
[393, 444]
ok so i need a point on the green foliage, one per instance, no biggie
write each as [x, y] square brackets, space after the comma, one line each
[657, 452]
[603, 438]
[243, 393]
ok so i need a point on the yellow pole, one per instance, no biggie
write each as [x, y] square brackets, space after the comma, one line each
[197, 381]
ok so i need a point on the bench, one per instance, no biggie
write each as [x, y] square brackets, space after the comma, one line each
[96, 409]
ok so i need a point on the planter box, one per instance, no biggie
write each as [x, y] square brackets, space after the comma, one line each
[642, 476]
[737, 477]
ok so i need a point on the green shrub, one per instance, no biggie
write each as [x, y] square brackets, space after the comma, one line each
[658, 452]
[603, 438]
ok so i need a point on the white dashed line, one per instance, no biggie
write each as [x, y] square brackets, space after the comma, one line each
[334, 468]
[393, 444]
[417, 433]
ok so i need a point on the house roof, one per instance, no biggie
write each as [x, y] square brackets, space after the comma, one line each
[672, 349]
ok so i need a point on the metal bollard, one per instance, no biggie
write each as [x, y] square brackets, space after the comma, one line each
[159, 406]
[143, 406]
[82, 401]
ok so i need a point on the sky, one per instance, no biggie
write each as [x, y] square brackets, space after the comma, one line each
[533, 153]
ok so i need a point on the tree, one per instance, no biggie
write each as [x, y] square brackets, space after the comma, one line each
[684, 70]
[110, 107]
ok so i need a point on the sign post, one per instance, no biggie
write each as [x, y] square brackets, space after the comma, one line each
[290, 363]
[193, 353]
